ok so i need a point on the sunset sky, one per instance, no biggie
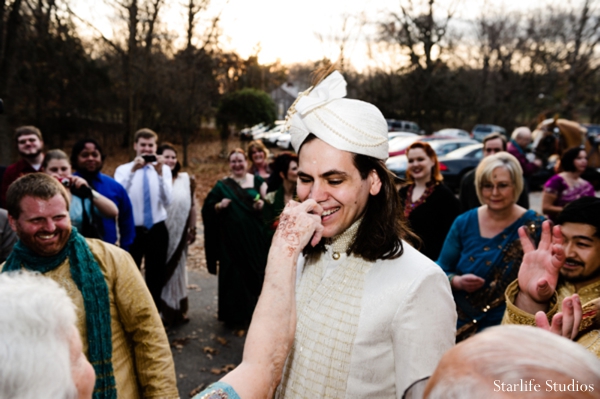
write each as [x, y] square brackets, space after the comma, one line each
[288, 30]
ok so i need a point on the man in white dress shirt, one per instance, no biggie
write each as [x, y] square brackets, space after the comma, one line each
[373, 314]
[149, 184]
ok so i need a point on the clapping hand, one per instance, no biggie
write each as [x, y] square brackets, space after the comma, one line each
[565, 323]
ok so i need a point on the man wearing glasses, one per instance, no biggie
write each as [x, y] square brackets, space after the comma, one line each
[492, 144]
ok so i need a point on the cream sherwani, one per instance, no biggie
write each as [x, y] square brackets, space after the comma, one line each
[367, 329]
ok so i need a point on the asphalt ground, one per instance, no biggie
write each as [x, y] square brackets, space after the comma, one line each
[203, 349]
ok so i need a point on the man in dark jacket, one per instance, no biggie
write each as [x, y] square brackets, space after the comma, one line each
[492, 144]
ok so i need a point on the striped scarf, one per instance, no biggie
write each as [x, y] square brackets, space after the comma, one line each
[88, 277]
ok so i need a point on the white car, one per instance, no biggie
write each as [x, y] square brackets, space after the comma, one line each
[393, 135]
[285, 141]
[458, 133]
[270, 137]
[248, 133]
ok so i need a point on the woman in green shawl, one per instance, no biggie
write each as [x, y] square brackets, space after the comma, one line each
[234, 236]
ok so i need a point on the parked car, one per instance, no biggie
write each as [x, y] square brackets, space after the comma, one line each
[392, 135]
[451, 132]
[403, 126]
[480, 131]
[455, 164]
[285, 141]
[593, 132]
[399, 145]
[269, 138]
[399, 163]
[249, 132]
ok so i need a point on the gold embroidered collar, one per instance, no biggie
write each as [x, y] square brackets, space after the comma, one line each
[342, 242]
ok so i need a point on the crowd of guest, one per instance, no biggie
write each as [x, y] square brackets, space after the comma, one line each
[334, 203]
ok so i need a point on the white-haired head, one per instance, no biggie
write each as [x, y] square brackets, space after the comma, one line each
[37, 321]
[477, 367]
[522, 135]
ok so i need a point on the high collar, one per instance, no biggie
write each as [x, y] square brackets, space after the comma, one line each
[342, 242]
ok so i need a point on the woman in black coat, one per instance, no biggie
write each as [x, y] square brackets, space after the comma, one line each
[429, 205]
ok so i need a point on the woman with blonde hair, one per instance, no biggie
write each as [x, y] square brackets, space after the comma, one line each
[258, 156]
[482, 253]
[427, 200]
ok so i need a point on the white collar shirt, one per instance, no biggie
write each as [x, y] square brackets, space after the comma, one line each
[161, 188]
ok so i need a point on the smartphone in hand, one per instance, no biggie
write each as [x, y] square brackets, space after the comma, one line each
[149, 158]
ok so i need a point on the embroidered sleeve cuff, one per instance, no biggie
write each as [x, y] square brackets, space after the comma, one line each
[514, 315]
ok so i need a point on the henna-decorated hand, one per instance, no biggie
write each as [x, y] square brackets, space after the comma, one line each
[299, 224]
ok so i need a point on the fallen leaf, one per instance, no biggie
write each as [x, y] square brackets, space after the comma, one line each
[222, 341]
[210, 350]
[228, 367]
[180, 342]
[240, 333]
[216, 371]
[197, 390]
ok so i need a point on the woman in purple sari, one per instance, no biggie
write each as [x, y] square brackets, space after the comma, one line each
[566, 186]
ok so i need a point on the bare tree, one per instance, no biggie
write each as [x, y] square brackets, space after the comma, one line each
[421, 35]
[343, 38]
[10, 23]
[563, 44]
[141, 17]
[501, 40]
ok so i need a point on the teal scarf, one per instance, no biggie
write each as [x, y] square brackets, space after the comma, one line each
[517, 146]
[89, 280]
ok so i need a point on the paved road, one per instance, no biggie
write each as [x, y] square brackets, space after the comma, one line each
[204, 346]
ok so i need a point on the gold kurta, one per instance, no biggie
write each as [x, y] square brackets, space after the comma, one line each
[141, 357]
[513, 315]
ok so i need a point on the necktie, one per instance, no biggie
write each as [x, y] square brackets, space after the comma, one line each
[147, 202]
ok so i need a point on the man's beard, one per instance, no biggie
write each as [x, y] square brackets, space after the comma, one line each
[30, 242]
[580, 278]
[31, 156]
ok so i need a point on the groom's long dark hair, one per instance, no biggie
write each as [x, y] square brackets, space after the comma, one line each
[384, 226]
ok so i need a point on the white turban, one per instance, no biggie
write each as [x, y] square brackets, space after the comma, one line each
[348, 125]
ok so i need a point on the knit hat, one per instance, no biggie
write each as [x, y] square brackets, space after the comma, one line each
[349, 125]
